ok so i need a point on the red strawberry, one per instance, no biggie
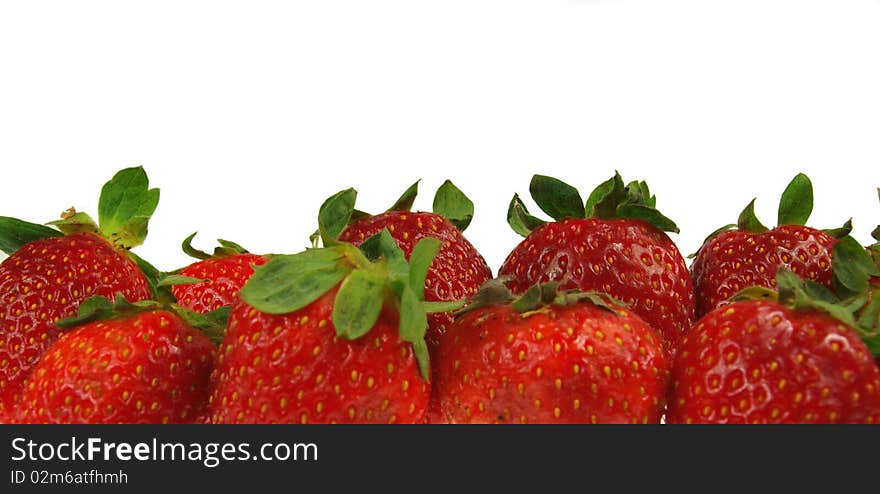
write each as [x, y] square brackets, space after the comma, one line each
[788, 361]
[567, 357]
[326, 336]
[141, 367]
[750, 254]
[614, 245]
[215, 280]
[48, 274]
[458, 271]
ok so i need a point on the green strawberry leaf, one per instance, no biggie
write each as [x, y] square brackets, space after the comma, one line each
[755, 293]
[875, 234]
[611, 199]
[92, 309]
[125, 207]
[98, 308]
[178, 279]
[493, 292]
[423, 357]
[153, 276]
[405, 202]
[191, 251]
[73, 222]
[519, 219]
[358, 303]
[452, 204]
[420, 261]
[841, 232]
[335, 214]
[648, 215]
[794, 293]
[435, 307]
[556, 198]
[225, 249]
[413, 323]
[796, 203]
[212, 324]
[229, 247]
[605, 198]
[601, 300]
[535, 297]
[853, 266]
[383, 246]
[290, 282]
[637, 192]
[15, 233]
[748, 221]
[820, 292]
[869, 315]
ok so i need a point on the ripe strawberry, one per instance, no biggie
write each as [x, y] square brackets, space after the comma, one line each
[458, 270]
[615, 245]
[146, 367]
[566, 357]
[326, 336]
[795, 360]
[214, 281]
[48, 274]
[749, 254]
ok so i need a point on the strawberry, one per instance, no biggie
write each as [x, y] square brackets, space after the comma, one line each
[615, 244]
[121, 364]
[457, 272]
[51, 271]
[214, 281]
[749, 254]
[551, 357]
[329, 336]
[794, 357]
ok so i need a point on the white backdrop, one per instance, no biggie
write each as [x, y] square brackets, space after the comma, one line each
[247, 114]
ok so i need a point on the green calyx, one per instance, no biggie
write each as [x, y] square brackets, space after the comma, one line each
[338, 211]
[98, 308]
[495, 292]
[369, 278]
[124, 210]
[225, 249]
[795, 207]
[15, 233]
[125, 207]
[874, 249]
[610, 200]
[859, 311]
[852, 265]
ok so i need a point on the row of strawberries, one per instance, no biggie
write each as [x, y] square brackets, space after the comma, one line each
[395, 317]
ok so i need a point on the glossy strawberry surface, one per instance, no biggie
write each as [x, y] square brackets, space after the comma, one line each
[147, 368]
[45, 281]
[224, 277]
[573, 364]
[293, 368]
[733, 260]
[760, 362]
[627, 259]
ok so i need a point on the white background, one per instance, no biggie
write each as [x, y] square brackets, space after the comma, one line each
[248, 114]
